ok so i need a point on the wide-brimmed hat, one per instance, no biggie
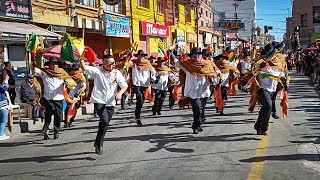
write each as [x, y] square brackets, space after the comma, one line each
[221, 56]
[53, 60]
[151, 57]
[195, 51]
[160, 59]
[140, 52]
[206, 52]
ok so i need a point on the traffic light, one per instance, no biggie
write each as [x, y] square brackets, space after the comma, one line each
[265, 29]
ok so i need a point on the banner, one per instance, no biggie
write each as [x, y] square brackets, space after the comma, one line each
[316, 14]
[152, 29]
[117, 26]
[169, 12]
[20, 9]
[180, 36]
[229, 25]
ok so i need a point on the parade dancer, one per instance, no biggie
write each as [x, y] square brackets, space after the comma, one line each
[160, 85]
[142, 75]
[199, 74]
[272, 71]
[245, 67]
[171, 83]
[77, 92]
[54, 80]
[126, 76]
[104, 94]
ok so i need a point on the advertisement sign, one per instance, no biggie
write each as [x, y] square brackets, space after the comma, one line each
[168, 12]
[316, 14]
[152, 29]
[112, 2]
[117, 26]
[20, 9]
[229, 25]
[190, 37]
[208, 38]
[180, 36]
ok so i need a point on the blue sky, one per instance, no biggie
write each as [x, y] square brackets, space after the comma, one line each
[273, 13]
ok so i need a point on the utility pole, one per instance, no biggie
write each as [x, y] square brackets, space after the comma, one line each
[197, 20]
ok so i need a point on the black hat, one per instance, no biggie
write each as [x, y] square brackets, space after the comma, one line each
[221, 56]
[75, 66]
[160, 59]
[140, 52]
[195, 51]
[206, 52]
[30, 76]
[53, 60]
[152, 57]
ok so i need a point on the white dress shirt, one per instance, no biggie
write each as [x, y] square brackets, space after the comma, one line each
[53, 87]
[142, 78]
[195, 87]
[268, 83]
[105, 85]
[163, 81]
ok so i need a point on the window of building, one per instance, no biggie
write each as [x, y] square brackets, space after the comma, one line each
[177, 10]
[160, 8]
[113, 8]
[207, 25]
[201, 11]
[304, 20]
[202, 23]
[91, 3]
[143, 3]
[206, 13]
[187, 13]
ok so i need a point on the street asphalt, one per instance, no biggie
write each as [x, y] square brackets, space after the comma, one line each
[165, 148]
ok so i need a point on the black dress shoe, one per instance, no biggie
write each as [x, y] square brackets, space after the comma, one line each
[194, 131]
[221, 113]
[139, 123]
[56, 136]
[46, 136]
[275, 116]
[98, 150]
[154, 113]
[203, 119]
[199, 129]
[159, 113]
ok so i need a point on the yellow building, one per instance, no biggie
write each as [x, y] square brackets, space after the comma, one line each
[148, 25]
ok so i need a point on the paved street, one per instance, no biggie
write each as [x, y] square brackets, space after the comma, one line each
[165, 148]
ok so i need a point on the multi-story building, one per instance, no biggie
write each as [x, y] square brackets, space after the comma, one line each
[243, 10]
[148, 24]
[306, 16]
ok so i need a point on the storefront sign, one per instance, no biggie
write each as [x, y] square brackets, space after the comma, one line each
[316, 14]
[190, 37]
[152, 29]
[20, 9]
[180, 36]
[229, 25]
[117, 26]
[208, 38]
[169, 12]
[112, 2]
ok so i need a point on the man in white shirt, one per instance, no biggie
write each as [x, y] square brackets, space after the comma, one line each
[142, 75]
[104, 94]
[54, 79]
[199, 74]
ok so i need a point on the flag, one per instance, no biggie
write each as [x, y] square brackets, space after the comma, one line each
[127, 64]
[284, 103]
[267, 75]
[218, 98]
[232, 56]
[32, 44]
[148, 95]
[71, 112]
[89, 54]
[66, 49]
[176, 90]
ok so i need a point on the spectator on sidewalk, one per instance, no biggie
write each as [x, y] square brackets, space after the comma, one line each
[12, 81]
[4, 78]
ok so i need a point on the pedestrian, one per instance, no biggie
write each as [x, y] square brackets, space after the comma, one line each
[76, 93]
[272, 71]
[12, 81]
[104, 94]
[54, 79]
[142, 75]
[160, 85]
[198, 77]
[4, 86]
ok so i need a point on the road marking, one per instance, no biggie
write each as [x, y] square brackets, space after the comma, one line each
[257, 165]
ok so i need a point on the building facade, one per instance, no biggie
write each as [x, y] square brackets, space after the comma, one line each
[306, 16]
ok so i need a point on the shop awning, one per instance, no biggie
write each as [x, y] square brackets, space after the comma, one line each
[14, 32]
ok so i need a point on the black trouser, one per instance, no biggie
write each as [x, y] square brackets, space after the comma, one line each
[12, 94]
[298, 68]
[198, 106]
[123, 100]
[53, 107]
[171, 99]
[265, 111]
[273, 98]
[105, 114]
[160, 96]
[203, 104]
[224, 92]
[36, 113]
[140, 99]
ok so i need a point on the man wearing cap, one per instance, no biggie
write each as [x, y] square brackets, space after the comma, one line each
[104, 94]
[152, 59]
[76, 92]
[142, 75]
[198, 77]
[54, 79]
